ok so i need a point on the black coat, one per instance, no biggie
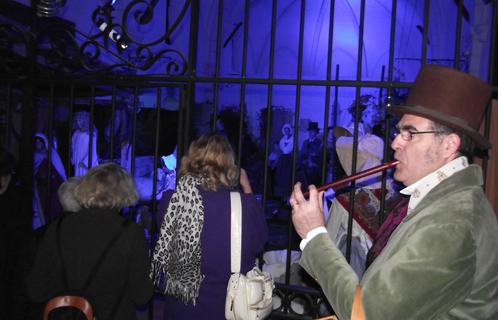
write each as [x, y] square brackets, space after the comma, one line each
[15, 239]
[84, 235]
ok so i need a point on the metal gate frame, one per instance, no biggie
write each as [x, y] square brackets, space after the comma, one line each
[22, 75]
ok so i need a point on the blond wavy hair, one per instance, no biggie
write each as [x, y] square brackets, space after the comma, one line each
[212, 159]
[106, 186]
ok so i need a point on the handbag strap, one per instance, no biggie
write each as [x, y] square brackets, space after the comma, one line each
[235, 232]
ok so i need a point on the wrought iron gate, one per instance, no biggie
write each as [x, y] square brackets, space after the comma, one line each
[154, 94]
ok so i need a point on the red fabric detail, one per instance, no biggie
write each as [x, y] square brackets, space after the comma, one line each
[365, 213]
[390, 224]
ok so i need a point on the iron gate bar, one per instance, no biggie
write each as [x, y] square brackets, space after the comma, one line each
[147, 80]
[90, 138]
[269, 98]
[425, 31]
[113, 121]
[8, 114]
[242, 96]
[69, 135]
[383, 185]
[134, 130]
[273, 81]
[297, 114]
[327, 98]
[192, 59]
[50, 146]
[156, 155]
[354, 157]
[387, 120]
[458, 34]
[33, 79]
[217, 65]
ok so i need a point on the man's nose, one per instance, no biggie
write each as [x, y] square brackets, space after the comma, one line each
[397, 142]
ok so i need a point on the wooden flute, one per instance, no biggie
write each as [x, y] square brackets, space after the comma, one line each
[356, 176]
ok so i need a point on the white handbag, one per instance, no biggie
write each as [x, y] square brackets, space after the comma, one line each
[249, 296]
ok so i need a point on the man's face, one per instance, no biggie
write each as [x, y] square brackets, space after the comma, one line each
[39, 144]
[419, 156]
[312, 134]
[369, 116]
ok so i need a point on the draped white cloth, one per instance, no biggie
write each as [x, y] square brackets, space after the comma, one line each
[79, 152]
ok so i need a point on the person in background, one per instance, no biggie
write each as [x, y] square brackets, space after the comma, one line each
[47, 180]
[167, 174]
[191, 260]
[286, 143]
[367, 198]
[283, 166]
[122, 281]
[310, 155]
[369, 116]
[81, 157]
[441, 260]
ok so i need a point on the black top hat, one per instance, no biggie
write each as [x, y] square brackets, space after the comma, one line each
[313, 126]
[451, 98]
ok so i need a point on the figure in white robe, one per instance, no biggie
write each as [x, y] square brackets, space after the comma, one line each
[80, 144]
[47, 179]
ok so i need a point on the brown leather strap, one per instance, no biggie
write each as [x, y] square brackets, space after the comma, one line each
[357, 313]
[69, 301]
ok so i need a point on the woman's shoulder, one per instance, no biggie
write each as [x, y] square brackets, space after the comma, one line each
[224, 192]
[249, 197]
[220, 196]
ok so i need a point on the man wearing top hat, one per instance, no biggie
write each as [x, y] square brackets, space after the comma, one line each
[441, 261]
[310, 156]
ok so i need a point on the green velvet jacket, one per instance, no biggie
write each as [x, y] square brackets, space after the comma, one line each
[440, 263]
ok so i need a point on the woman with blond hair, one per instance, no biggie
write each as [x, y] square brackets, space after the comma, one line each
[76, 241]
[191, 260]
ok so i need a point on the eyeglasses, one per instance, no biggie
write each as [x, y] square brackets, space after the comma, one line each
[407, 135]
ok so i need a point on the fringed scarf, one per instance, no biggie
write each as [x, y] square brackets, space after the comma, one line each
[176, 262]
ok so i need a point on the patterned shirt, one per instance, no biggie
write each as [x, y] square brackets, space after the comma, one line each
[418, 190]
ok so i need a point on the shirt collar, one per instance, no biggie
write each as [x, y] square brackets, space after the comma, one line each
[418, 190]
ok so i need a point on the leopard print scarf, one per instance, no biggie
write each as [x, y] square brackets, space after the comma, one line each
[176, 262]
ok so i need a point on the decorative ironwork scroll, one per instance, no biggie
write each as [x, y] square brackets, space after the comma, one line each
[61, 48]
[14, 44]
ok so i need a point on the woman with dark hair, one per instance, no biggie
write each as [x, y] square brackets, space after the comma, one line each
[191, 261]
[121, 281]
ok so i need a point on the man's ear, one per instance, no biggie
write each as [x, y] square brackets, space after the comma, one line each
[452, 144]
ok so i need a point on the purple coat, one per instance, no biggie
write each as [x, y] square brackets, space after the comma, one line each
[215, 243]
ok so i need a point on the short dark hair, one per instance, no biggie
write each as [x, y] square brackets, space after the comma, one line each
[467, 145]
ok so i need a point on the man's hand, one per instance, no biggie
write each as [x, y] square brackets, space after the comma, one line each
[306, 214]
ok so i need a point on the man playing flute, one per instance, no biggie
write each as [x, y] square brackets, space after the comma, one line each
[441, 262]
